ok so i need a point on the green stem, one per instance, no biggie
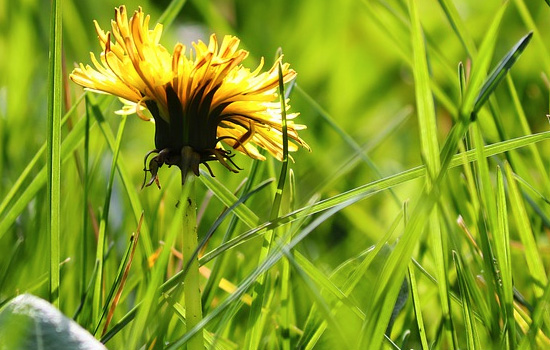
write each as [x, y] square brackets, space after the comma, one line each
[191, 291]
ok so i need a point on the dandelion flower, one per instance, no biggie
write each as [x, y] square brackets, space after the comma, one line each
[204, 104]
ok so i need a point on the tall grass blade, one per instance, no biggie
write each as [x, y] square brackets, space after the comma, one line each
[100, 252]
[521, 217]
[171, 12]
[16, 187]
[430, 152]
[129, 186]
[459, 27]
[473, 99]
[55, 108]
[24, 195]
[257, 318]
[471, 329]
[487, 222]
[417, 308]
[532, 255]
[525, 14]
[504, 259]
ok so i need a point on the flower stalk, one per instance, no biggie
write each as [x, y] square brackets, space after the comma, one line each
[191, 289]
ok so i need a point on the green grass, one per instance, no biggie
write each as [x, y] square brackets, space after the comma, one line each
[429, 169]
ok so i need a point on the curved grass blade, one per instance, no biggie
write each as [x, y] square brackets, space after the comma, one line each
[370, 189]
[360, 151]
[247, 216]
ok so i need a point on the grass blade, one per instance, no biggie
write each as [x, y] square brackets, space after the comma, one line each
[527, 237]
[471, 332]
[502, 251]
[417, 308]
[366, 190]
[458, 27]
[129, 186]
[55, 108]
[171, 12]
[100, 252]
[500, 71]
[487, 222]
[472, 96]
[257, 318]
[519, 213]
[424, 97]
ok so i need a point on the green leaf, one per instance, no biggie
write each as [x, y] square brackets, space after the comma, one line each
[30, 323]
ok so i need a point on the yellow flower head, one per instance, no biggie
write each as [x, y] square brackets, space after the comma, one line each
[198, 101]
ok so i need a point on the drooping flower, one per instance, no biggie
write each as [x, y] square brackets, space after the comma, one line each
[200, 102]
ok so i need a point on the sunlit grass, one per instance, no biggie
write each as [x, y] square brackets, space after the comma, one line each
[424, 203]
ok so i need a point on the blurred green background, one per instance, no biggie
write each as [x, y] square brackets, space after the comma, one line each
[355, 90]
